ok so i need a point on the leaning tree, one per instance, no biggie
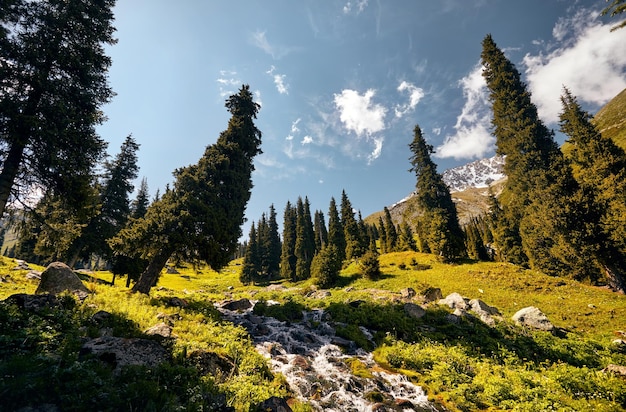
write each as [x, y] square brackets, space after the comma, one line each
[200, 218]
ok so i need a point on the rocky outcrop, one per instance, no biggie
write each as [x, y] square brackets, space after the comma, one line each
[120, 352]
[57, 278]
[236, 305]
[414, 311]
[34, 303]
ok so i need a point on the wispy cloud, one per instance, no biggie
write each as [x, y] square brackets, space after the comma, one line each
[358, 5]
[259, 39]
[585, 56]
[228, 82]
[472, 137]
[279, 81]
[415, 95]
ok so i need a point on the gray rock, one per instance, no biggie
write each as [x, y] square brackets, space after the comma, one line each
[120, 352]
[486, 313]
[534, 318]
[235, 305]
[21, 265]
[162, 330]
[414, 311]
[33, 303]
[432, 294]
[57, 278]
[455, 301]
[407, 293]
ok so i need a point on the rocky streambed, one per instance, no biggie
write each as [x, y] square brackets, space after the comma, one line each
[327, 371]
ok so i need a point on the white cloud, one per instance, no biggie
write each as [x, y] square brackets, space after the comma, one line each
[294, 125]
[358, 113]
[415, 95]
[587, 58]
[472, 137]
[279, 81]
[307, 140]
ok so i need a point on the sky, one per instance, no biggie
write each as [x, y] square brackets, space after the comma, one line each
[342, 85]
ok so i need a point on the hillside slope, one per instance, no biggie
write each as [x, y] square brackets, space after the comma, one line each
[611, 119]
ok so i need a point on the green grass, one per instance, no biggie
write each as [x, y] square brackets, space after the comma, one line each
[465, 366]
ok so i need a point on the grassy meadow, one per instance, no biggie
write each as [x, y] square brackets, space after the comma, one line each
[464, 366]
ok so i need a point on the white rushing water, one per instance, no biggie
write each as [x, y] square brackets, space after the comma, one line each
[316, 364]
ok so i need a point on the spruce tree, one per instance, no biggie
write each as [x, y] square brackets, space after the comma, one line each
[336, 235]
[252, 260]
[287, 256]
[537, 199]
[274, 246]
[383, 235]
[319, 228]
[600, 169]
[304, 246]
[200, 218]
[139, 206]
[443, 233]
[406, 240]
[53, 83]
[354, 247]
[391, 241]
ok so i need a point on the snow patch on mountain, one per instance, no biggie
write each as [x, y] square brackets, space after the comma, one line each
[479, 174]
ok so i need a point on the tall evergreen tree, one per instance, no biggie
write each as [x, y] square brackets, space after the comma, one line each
[288, 256]
[252, 260]
[600, 169]
[406, 240]
[319, 228]
[383, 235]
[139, 206]
[53, 82]
[336, 235]
[532, 227]
[444, 235]
[305, 244]
[116, 187]
[273, 245]
[354, 244]
[391, 242]
[200, 218]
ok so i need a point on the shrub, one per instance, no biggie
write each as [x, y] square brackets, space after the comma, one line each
[326, 266]
[370, 266]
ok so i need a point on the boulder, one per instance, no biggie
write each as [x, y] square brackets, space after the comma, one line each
[534, 318]
[57, 278]
[432, 295]
[21, 265]
[455, 301]
[485, 312]
[161, 330]
[210, 363]
[33, 303]
[120, 352]
[236, 305]
[33, 275]
[414, 311]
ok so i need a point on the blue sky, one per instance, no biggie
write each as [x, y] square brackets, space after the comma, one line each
[342, 84]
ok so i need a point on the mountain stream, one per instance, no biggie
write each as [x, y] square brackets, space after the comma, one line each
[318, 370]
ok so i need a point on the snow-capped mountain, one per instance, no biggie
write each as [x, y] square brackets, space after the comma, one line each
[479, 174]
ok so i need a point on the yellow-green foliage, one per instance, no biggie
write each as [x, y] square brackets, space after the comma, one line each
[466, 366]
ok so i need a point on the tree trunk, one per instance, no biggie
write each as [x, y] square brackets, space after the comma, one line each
[9, 171]
[615, 278]
[150, 276]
